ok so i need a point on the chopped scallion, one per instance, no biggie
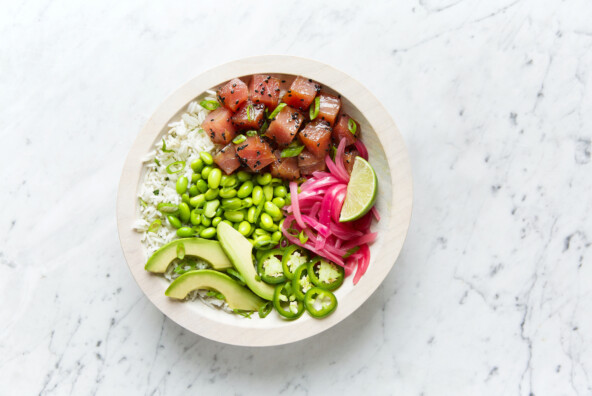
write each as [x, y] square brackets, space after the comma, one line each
[156, 161]
[291, 151]
[313, 111]
[209, 104]
[164, 149]
[168, 208]
[351, 251]
[249, 109]
[175, 167]
[239, 139]
[302, 237]
[252, 133]
[155, 226]
[352, 126]
[180, 251]
[276, 111]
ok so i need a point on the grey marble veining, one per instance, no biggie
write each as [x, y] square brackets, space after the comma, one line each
[491, 294]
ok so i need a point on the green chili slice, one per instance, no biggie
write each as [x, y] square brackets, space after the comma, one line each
[276, 111]
[209, 104]
[269, 267]
[313, 111]
[265, 309]
[175, 167]
[294, 257]
[319, 302]
[301, 282]
[285, 303]
[352, 126]
[325, 274]
[291, 151]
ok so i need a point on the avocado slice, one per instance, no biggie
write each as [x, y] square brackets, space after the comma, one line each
[236, 296]
[210, 251]
[238, 249]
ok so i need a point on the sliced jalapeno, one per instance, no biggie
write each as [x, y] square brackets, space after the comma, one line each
[319, 302]
[325, 274]
[269, 266]
[285, 302]
[265, 309]
[294, 257]
[301, 282]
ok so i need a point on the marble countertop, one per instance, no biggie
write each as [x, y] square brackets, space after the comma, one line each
[491, 294]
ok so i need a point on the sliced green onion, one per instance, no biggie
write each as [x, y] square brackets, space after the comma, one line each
[314, 111]
[333, 152]
[142, 202]
[291, 151]
[165, 207]
[293, 232]
[156, 161]
[164, 149]
[352, 126]
[276, 111]
[249, 109]
[220, 296]
[155, 226]
[156, 192]
[303, 237]
[209, 104]
[264, 127]
[351, 251]
[246, 314]
[239, 139]
[175, 167]
[235, 274]
[181, 251]
[179, 269]
[252, 133]
[211, 293]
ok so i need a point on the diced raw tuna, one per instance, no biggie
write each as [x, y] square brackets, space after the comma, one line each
[301, 93]
[309, 163]
[349, 158]
[255, 153]
[341, 130]
[285, 126]
[233, 94]
[218, 126]
[227, 160]
[285, 168]
[316, 136]
[329, 107]
[249, 116]
[265, 89]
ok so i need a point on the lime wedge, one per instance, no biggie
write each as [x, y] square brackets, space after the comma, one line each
[361, 191]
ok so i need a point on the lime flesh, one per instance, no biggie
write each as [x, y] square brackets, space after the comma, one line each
[361, 191]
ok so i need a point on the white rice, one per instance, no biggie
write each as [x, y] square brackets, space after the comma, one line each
[187, 140]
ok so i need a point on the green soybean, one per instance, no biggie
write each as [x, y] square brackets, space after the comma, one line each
[266, 221]
[182, 183]
[257, 195]
[205, 221]
[193, 191]
[174, 221]
[211, 194]
[259, 232]
[185, 198]
[211, 207]
[251, 214]
[195, 218]
[205, 172]
[185, 232]
[198, 229]
[219, 211]
[244, 228]
[197, 165]
[236, 216]
[280, 191]
[227, 192]
[245, 190]
[227, 222]
[197, 201]
[243, 176]
[263, 179]
[279, 202]
[206, 158]
[232, 203]
[262, 242]
[216, 221]
[214, 178]
[201, 185]
[275, 237]
[231, 181]
[281, 224]
[195, 177]
[247, 202]
[208, 233]
[271, 209]
[275, 181]
[184, 212]
[268, 193]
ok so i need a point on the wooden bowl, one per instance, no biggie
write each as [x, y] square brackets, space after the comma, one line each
[388, 156]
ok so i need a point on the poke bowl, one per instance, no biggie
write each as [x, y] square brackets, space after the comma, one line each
[209, 278]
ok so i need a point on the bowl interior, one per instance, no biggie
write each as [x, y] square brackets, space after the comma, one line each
[235, 329]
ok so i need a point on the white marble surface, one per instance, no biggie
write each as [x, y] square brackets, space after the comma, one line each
[491, 294]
